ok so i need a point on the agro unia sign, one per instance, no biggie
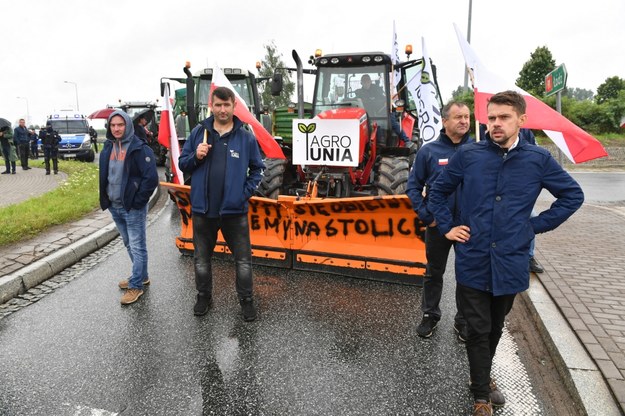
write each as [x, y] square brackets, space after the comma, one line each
[325, 142]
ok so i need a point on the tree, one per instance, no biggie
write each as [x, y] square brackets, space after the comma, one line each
[609, 89]
[270, 64]
[579, 94]
[532, 75]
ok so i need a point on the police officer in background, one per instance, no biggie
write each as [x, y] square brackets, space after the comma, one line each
[50, 140]
[93, 135]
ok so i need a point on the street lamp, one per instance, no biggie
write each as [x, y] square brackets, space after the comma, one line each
[76, 88]
[27, 110]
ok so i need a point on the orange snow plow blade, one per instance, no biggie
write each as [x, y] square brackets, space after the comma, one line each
[377, 238]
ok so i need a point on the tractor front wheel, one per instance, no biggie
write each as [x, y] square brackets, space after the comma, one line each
[273, 177]
[392, 175]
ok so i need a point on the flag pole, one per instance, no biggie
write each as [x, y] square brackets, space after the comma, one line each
[477, 123]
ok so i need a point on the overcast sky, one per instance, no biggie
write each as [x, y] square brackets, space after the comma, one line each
[118, 49]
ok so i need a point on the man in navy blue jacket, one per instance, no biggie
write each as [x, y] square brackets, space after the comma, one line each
[20, 136]
[431, 159]
[501, 178]
[226, 167]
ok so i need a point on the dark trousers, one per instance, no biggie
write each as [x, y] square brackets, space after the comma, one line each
[51, 154]
[437, 248]
[24, 149]
[6, 153]
[34, 150]
[485, 315]
[236, 232]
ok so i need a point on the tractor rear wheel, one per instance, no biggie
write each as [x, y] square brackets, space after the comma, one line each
[392, 175]
[273, 177]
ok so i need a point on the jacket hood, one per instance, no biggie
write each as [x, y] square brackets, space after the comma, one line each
[128, 132]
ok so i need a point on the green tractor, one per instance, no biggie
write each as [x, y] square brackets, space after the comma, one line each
[191, 101]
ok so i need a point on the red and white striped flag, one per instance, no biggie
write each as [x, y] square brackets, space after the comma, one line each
[268, 144]
[574, 142]
[168, 138]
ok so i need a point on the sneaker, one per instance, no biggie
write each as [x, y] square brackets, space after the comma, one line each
[535, 266]
[248, 308]
[427, 325]
[482, 408]
[461, 332]
[124, 283]
[496, 397]
[202, 304]
[131, 296]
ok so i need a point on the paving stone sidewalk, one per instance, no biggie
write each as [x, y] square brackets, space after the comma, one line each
[584, 260]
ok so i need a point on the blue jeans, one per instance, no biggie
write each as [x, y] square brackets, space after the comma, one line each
[132, 227]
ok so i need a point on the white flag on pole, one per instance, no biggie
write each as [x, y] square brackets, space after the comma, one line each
[425, 95]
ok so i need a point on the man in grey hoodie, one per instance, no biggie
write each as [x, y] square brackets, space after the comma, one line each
[128, 177]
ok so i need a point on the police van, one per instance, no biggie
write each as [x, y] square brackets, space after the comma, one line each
[74, 131]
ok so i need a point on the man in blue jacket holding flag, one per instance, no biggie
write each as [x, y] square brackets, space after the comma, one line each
[226, 167]
[501, 179]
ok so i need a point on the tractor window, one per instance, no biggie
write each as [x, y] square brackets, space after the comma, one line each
[241, 87]
[343, 87]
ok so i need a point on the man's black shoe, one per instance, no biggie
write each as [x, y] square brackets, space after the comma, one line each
[461, 331]
[427, 326]
[202, 304]
[535, 266]
[6, 172]
[248, 308]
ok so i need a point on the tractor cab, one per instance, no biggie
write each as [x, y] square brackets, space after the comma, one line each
[362, 80]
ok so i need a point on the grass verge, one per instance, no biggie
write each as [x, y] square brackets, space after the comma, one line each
[68, 202]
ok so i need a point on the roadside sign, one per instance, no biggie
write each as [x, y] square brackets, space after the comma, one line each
[555, 81]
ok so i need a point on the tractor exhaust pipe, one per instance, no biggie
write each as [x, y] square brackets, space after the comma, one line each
[300, 84]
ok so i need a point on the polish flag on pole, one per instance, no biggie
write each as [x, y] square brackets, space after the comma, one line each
[574, 142]
[268, 145]
[168, 138]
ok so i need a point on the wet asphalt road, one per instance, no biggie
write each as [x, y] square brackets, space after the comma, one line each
[323, 345]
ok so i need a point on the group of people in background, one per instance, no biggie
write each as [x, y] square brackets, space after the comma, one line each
[17, 145]
[23, 144]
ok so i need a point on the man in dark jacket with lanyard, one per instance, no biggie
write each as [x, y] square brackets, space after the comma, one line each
[128, 177]
[226, 167]
[501, 178]
[431, 159]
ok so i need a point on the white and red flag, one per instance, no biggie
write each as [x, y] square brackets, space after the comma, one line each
[168, 138]
[574, 142]
[268, 144]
